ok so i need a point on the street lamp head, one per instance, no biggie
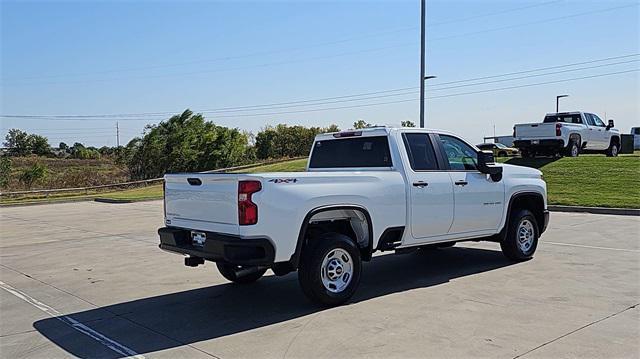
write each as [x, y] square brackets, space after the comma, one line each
[430, 77]
[561, 96]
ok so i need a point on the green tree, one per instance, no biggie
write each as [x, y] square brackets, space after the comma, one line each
[287, 141]
[360, 124]
[34, 174]
[5, 171]
[184, 143]
[18, 142]
[39, 145]
[63, 147]
[408, 124]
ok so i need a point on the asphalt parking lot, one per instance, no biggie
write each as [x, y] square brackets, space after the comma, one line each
[88, 280]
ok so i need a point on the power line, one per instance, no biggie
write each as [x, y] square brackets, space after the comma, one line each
[345, 98]
[533, 22]
[434, 97]
[271, 52]
[336, 55]
[446, 22]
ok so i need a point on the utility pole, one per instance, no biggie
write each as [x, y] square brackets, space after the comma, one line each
[117, 134]
[423, 10]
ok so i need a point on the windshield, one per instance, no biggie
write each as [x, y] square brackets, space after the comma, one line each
[500, 145]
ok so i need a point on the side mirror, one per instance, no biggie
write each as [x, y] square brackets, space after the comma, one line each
[610, 124]
[487, 164]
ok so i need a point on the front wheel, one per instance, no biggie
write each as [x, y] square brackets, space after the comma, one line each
[613, 150]
[240, 274]
[330, 269]
[522, 236]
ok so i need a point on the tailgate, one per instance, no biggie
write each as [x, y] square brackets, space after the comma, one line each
[202, 201]
[535, 130]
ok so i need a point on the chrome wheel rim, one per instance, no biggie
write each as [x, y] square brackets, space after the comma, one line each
[574, 150]
[336, 270]
[526, 235]
[614, 150]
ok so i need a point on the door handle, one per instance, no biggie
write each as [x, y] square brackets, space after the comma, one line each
[420, 184]
[461, 183]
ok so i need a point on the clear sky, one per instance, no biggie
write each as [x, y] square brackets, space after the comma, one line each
[131, 57]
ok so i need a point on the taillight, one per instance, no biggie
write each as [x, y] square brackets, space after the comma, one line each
[247, 210]
[558, 129]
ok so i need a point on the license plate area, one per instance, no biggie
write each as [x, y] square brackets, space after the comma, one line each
[198, 238]
[535, 142]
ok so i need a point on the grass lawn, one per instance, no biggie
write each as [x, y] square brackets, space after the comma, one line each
[587, 180]
[590, 180]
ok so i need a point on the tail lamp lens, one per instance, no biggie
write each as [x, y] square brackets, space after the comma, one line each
[558, 129]
[247, 210]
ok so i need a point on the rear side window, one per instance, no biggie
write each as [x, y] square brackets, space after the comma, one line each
[421, 154]
[351, 152]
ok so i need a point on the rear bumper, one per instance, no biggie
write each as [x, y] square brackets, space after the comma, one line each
[219, 247]
[549, 143]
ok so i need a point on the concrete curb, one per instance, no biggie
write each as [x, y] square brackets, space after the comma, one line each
[596, 210]
[112, 200]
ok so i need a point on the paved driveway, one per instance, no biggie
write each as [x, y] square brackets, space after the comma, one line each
[87, 279]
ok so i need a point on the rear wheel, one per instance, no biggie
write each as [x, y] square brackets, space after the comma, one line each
[526, 154]
[613, 150]
[522, 236]
[502, 154]
[330, 269]
[240, 274]
[573, 150]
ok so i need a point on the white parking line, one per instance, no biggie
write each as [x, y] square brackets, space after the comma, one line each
[592, 247]
[102, 339]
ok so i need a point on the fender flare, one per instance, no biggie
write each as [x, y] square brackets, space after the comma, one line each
[503, 232]
[295, 257]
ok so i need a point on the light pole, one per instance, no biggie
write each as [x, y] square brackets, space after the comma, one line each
[423, 11]
[423, 78]
[558, 101]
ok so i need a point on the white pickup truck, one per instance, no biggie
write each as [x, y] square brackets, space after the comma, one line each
[378, 189]
[567, 133]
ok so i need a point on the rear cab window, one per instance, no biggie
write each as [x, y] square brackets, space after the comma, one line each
[421, 153]
[351, 152]
[568, 118]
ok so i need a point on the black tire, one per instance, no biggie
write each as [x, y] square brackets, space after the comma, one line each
[502, 154]
[525, 154]
[511, 246]
[572, 149]
[311, 271]
[613, 150]
[240, 274]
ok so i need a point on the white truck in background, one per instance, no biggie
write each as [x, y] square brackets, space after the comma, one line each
[377, 189]
[567, 133]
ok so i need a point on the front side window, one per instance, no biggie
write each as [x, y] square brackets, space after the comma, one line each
[420, 151]
[598, 121]
[460, 155]
[352, 152]
[589, 119]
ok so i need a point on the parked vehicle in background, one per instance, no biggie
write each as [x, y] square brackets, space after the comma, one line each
[635, 131]
[498, 149]
[377, 189]
[567, 133]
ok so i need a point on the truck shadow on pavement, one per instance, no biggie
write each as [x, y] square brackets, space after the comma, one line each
[173, 320]
[537, 162]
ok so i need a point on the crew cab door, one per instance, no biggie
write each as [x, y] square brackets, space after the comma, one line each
[430, 189]
[479, 201]
[593, 133]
